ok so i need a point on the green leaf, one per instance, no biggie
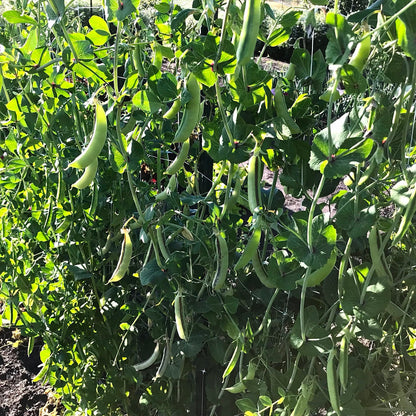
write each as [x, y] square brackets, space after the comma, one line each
[163, 6]
[246, 405]
[31, 42]
[117, 160]
[377, 297]
[14, 17]
[79, 272]
[167, 87]
[55, 11]
[301, 58]
[356, 222]
[11, 142]
[400, 194]
[180, 18]
[406, 29]
[151, 274]
[193, 346]
[339, 35]
[352, 80]
[91, 71]
[205, 74]
[82, 46]
[119, 9]
[279, 36]
[290, 18]
[338, 164]
[147, 101]
[97, 37]
[99, 24]
[392, 72]
[317, 340]
[265, 401]
[323, 240]
[286, 270]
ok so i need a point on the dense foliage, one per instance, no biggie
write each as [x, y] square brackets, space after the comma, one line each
[214, 298]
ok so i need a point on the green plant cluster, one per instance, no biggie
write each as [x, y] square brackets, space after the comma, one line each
[174, 279]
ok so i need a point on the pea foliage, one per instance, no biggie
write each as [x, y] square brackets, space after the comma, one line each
[174, 279]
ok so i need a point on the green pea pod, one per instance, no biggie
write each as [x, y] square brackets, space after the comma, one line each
[137, 59]
[236, 388]
[177, 164]
[173, 110]
[253, 180]
[150, 361]
[250, 249]
[88, 176]
[260, 272]
[251, 371]
[164, 362]
[376, 256]
[249, 32]
[191, 112]
[361, 53]
[172, 184]
[290, 72]
[407, 218]
[316, 277]
[161, 243]
[234, 358]
[282, 111]
[331, 377]
[96, 144]
[343, 362]
[222, 262]
[124, 259]
[307, 393]
[179, 316]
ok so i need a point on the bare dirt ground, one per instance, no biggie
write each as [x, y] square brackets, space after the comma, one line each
[19, 395]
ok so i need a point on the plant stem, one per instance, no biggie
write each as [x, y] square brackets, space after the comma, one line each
[266, 314]
[126, 158]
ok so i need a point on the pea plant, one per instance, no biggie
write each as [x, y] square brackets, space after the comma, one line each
[147, 236]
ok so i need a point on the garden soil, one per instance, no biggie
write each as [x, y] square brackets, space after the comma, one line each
[19, 396]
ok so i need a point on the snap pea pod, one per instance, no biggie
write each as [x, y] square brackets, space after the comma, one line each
[222, 261]
[150, 361]
[376, 256]
[88, 176]
[250, 249]
[173, 110]
[261, 273]
[96, 144]
[249, 31]
[317, 276]
[179, 316]
[137, 59]
[343, 362]
[282, 111]
[406, 218]
[191, 111]
[177, 164]
[124, 259]
[331, 376]
[253, 180]
[172, 184]
[362, 52]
